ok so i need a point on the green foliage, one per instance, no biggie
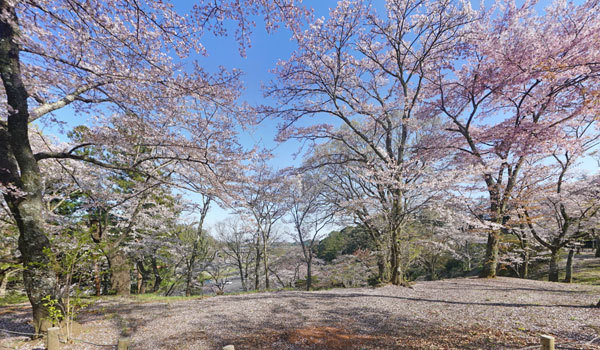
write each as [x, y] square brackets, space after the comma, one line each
[346, 241]
[374, 280]
[54, 309]
[331, 246]
[301, 283]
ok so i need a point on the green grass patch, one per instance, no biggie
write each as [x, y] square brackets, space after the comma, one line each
[152, 298]
[13, 298]
[587, 277]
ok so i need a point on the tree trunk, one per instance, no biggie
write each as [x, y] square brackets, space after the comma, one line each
[309, 273]
[241, 271]
[553, 271]
[396, 278]
[97, 282]
[432, 271]
[139, 279]
[381, 270]
[4, 281]
[157, 278]
[468, 258]
[3, 284]
[382, 262]
[266, 263]
[105, 279]
[19, 170]
[120, 273]
[188, 284]
[144, 273]
[189, 276]
[257, 267]
[597, 248]
[525, 265]
[491, 255]
[569, 268]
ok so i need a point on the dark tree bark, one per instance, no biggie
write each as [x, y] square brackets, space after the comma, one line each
[396, 278]
[569, 267]
[553, 270]
[120, 273]
[19, 170]
[383, 265]
[157, 278]
[257, 262]
[266, 262]
[97, 281]
[491, 255]
[143, 277]
[525, 266]
[309, 274]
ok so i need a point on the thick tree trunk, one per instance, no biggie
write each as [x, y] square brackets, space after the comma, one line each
[120, 273]
[525, 266]
[97, 281]
[188, 283]
[157, 278]
[257, 267]
[396, 278]
[553, 270]
[491, 255]
[143, 277]
[19, 170]
[597, 248]
[383, 271]
[569, 268]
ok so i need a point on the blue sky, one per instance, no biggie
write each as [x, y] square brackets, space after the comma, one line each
[266, 49]
[262, 56]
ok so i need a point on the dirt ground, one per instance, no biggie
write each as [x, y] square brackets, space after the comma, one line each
[501, 313]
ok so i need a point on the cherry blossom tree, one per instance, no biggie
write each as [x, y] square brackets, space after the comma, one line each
[563, 208]
[448, 227]
[524, 79]
[125, 62]
[310, 214]
[260, 197]
[367, 72]
[237, 239]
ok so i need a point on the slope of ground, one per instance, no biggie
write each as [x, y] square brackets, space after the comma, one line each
[502, 313]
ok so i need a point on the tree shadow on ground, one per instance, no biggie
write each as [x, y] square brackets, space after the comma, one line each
[353, 328]
[15, 319]
[421, 299]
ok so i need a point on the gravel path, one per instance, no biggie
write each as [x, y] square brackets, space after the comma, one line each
[450, 314]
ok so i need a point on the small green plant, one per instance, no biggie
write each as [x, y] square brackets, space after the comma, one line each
[73, 305]
[54, 310]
